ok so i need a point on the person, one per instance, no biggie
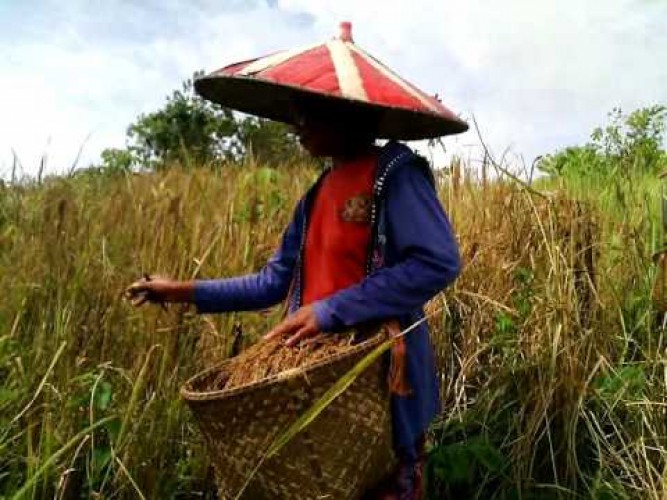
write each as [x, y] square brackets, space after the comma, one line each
[368, 242]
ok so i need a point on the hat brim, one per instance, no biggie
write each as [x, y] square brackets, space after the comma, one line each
[277, 102]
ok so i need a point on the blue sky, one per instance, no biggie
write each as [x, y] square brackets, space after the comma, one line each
[536, 75]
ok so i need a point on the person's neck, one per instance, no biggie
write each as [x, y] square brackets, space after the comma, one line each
[353, 152]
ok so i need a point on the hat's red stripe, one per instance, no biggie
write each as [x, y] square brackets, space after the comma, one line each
[312, 70]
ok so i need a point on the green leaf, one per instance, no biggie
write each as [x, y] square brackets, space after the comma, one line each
[453, 464]
[487, 455]
[504, 323]
[627, 381]
[103, 396]
[113, 429]
[8, 395]
[101, 458]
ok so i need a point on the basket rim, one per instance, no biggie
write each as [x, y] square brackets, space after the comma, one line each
[191, 395]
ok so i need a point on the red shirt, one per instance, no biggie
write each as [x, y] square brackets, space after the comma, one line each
[339, 230]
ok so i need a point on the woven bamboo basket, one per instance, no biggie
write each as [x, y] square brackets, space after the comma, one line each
[344, 451]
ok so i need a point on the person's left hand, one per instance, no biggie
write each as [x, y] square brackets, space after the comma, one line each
[297, 327]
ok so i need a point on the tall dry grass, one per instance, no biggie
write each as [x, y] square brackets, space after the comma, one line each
[557, 377]
[553, 360]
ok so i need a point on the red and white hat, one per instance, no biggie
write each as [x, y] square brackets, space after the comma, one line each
[339, 72]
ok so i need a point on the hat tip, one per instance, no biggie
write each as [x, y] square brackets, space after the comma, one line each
[346, 31]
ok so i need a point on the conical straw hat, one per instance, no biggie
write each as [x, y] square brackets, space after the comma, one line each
[337, 72]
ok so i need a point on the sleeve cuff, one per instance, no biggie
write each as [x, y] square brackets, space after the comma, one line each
[326, 320]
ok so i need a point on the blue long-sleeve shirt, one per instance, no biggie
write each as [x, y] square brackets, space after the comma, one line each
[420, 258]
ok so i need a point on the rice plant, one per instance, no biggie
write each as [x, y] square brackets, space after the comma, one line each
[552, 352]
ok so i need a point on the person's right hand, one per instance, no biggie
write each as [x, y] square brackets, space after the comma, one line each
[159, 290]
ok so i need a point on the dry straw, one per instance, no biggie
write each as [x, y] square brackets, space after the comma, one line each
[273, 358]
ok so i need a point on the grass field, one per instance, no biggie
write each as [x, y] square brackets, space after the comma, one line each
[551, 349]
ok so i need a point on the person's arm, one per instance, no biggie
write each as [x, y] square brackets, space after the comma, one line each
[428, 259]
[254, 291]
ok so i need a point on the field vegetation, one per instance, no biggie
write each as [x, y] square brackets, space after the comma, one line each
[551, 345]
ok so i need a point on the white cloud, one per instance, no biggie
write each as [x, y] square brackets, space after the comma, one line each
[84, 78]
[537, 75]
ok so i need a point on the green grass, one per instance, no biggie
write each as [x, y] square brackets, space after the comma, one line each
[553, 362]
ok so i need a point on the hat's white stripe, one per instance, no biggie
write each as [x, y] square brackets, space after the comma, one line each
[349, 79]
[273, 60]
[396, 79]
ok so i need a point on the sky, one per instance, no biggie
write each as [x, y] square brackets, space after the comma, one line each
[536, 76]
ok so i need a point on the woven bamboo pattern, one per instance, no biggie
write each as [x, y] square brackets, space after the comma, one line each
[345, 450]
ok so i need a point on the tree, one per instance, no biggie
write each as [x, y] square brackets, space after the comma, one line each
[191, 131]
[629, 144]
[574, 160]
[634, 140]
[268, 141]
[117, 160]
[187, 130]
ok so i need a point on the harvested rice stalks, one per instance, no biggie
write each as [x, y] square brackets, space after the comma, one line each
[271, 358]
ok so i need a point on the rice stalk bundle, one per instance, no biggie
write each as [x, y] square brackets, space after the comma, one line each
[272, 358]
